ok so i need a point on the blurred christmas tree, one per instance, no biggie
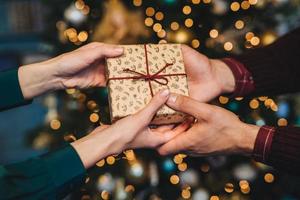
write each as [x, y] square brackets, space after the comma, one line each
[217, 28]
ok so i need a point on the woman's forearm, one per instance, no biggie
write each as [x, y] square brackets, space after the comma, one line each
[82, 68]
[96, 146]
[36, 79]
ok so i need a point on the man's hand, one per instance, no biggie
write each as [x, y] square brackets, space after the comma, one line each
[81, 68]
[207, 78]
[216, 130]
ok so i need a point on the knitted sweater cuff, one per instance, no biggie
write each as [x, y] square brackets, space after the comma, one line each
[285, 150]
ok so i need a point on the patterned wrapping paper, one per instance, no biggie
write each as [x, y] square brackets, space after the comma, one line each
[131, 87]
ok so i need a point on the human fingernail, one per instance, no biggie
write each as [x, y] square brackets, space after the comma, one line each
[165, 93]
[172, 98]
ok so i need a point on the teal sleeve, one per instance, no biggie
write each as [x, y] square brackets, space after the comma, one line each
[51, 176]
[10, 91]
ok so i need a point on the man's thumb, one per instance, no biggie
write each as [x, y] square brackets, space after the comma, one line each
[190, 106]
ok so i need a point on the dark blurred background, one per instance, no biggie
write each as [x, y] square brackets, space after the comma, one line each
[35, 30]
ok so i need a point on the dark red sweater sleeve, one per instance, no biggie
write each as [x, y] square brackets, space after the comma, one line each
[272, 70]
[279, 147]
[275, 68]
[244, 83]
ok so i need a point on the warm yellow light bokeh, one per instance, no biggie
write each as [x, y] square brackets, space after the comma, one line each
[254, 104]
[157, 27]
[174, 26]
[235, 6]
[269, 178]
[223, 100]
[239, 24]
[100, 163]
[159, 16]
[214, 197]
[149, 21]
[94, 117]
[196, 1]
[187, 10]
[229, 188]
[174, 179]
[55, 124]
[213, 33]
[137, 2]
[228, 46]
[110, 160]
[195, 43]
[150, 11]
[282, 122]
[245, 5]
[188, 22]
[186, 193]
[255, 41]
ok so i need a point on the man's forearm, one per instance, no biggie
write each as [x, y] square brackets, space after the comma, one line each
[275, 68]
[225, 76]
[279, 147]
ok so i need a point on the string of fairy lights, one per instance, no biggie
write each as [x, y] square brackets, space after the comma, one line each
[175, 31]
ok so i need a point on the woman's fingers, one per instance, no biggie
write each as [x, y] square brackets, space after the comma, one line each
[164, 128]
[146, 114]
[165, 134]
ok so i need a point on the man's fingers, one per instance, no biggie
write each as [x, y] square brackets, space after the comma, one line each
[176, 140]
[157, 138]
[183, 126]
[164, 134]
[175, 145]
[190, 106]
[147, 113]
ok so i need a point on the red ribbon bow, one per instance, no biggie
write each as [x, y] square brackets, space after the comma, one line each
[157, 77]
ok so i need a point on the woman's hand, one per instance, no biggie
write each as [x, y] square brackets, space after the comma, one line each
[207, 78]
[216, 131]
[130, 132]
[81, 68]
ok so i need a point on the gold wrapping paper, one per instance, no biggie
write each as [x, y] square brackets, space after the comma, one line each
[127, 94]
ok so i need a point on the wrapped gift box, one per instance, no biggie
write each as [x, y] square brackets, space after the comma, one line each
[140, 73]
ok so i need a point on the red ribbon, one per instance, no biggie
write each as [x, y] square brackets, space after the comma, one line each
[157, 77]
